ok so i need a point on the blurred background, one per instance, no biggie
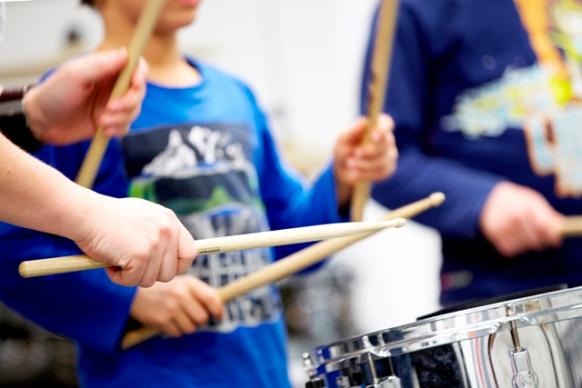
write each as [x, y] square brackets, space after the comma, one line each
[304, 60]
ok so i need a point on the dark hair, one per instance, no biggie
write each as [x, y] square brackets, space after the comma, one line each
[90, 3]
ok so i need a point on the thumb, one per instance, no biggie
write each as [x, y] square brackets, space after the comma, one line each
[123, 277]
[187, 251]
[101, 65]
[355, 134]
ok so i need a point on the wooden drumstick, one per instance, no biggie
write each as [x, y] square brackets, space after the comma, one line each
[293, 264]
[380, 69]
[571, 226]
[58, 265]
[143, 31]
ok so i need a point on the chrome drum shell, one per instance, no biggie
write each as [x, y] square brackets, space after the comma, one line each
[532, 342]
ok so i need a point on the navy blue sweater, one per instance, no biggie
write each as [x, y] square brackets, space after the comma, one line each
[464, 83]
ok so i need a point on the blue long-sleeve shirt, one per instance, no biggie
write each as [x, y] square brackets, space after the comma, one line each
[205, 151]
[463, 76]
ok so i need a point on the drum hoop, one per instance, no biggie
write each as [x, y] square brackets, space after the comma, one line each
[451, 327]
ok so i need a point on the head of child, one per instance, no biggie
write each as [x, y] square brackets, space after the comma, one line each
[176, 14]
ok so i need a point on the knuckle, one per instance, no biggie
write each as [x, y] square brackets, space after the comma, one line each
[164, 230]
[146, 283]
[166, 277]
[176, 293]
[154, 241]
[514, 218]
[202, 318]
[189, 328]
[207, 297]
[161, 321]
[142, 255]
[69, 71]
[171, 306]
[169, 215]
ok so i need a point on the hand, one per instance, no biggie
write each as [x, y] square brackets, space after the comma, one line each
[74, 102]
[144, 242]
[370, 162]
[178, 307]
[517, 219]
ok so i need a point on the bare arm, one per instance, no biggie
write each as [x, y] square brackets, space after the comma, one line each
[145, 241]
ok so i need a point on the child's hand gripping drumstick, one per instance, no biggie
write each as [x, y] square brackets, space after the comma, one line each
[147, 22]
[381, 60]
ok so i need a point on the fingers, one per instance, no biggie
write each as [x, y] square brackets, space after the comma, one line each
[369, 164]
[158, 249]
[123, 277]
[97, 66]
[169, 266]
[186, 249]
[547, 223]
[140, 75]
[171, 327]
[517, 220]
[120, 112]
[129, 271]
[191, 304]
[195, 314]
[372, 161]
[208, 297]
[354, 135]
[349, 141]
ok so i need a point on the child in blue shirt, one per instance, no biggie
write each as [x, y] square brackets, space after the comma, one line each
[201, 147]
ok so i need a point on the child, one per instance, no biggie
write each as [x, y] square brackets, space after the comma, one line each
[202, 147]
[493, 123]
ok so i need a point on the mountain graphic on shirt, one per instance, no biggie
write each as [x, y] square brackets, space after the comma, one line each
[187, 175]
[176, 158]
[205, 174]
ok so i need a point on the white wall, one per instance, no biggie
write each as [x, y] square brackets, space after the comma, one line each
[36, 36]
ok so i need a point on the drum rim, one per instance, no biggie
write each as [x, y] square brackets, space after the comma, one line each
[524, 311]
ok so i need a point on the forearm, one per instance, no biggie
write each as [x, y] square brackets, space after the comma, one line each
[36, 196]
[419, 174]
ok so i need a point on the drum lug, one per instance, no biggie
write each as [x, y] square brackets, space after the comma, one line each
[315, 383]
[523, 374]
[389, 382]
[309, 364]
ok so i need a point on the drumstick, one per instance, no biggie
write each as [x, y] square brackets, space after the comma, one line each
[380, 69]
[571, 226]
[293, 264]
[145, 26]
[58, 265]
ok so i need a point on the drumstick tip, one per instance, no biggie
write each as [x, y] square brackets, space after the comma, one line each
[437, 199]
[23, 270]
[398, 222]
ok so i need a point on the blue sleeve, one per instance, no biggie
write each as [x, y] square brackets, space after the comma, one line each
[419, 173]
[288, 200]
[86, 306]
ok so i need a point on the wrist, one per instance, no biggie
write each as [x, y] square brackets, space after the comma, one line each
[79, 205]
[13, 121]
[344, 194]
[33, 113]
[343, 188]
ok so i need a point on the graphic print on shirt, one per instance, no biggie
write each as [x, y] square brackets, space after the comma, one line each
[205, 174]
[545, 100]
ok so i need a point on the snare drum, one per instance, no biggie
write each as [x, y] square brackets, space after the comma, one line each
[529, 342]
